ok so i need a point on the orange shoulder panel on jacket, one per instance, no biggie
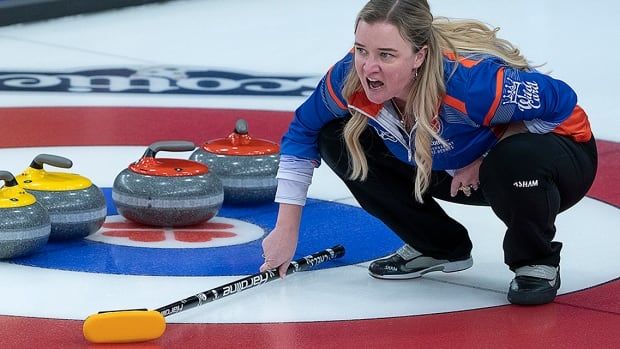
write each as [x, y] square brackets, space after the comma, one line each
[467, 62]
[576, 126]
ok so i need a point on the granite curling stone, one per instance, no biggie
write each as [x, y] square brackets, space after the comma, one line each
[24, 223]
[247, 167]
[77, 207]
[167, 192]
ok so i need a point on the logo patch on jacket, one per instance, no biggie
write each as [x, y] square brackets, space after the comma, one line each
[524, 94]
[526, 184]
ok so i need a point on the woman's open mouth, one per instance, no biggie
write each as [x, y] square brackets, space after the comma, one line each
[374, 84]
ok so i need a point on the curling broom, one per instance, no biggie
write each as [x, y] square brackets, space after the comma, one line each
[138, 325]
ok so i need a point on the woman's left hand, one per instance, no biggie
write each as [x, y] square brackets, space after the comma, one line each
[466, 179]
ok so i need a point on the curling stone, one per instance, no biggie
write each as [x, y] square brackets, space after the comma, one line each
[76, 206]
[24, 223]
[167, 192]
[246, 166]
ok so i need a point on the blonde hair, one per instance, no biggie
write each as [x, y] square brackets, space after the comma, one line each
[417, 25]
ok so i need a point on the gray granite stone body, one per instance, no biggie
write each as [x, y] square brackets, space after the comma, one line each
[23, 230]
[167, 201]
[74, 213]
[246, 179]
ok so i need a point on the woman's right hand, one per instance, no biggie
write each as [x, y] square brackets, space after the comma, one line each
[279, 246]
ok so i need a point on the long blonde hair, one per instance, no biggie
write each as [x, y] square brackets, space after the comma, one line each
[417, 25]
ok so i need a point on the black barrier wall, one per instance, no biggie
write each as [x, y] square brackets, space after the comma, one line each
[21, 11]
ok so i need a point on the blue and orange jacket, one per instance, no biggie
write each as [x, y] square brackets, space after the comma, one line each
[483, 95]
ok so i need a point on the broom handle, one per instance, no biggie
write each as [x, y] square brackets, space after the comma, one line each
[251, 281]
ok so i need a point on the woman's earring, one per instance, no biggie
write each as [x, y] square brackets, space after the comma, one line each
[415, 74]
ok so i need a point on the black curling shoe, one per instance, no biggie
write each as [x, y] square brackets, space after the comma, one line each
[534, 285]
[408, 263]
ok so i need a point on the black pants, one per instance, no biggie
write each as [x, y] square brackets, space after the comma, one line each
[527, 179]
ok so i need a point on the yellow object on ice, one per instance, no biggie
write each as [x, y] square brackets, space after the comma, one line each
[15, 196]
[35, 179]
[125, 326]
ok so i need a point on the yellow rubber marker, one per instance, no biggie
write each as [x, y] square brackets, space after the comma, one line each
[125, 326]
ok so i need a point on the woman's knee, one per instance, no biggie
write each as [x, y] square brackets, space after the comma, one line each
[518, 177]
